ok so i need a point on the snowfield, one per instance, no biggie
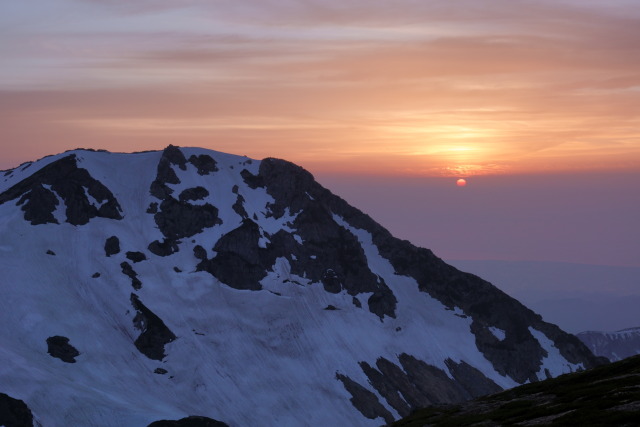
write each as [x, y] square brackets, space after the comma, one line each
[244, 357]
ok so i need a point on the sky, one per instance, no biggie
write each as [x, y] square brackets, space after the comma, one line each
[536, 103]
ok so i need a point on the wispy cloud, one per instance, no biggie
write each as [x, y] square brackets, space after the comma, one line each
[417, 86]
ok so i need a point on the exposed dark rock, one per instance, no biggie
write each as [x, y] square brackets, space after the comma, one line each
[14, 412]
[174, 156]
[59, 347]
[421, 385]
[160, 190]
[417, 384]
[239, 262]
[95, 275]
[38, 205]
[180, 219]
[294, 190]
[136, 256]
[200, 252]
[165, 173]
[382, 302]
[160, 371]
[518, 356]
[430, 384]
[130, 272]
[387, 389]
[195, 193]
[235, 189]
[238, 206]
[356, 302]
[154, 333]
[72, 184]
[327, 245]
[192, 421]
[50, 252]
[164, 248]
[331, 282]
[365, 401]
[330, 307]
[177, 270]
[253, 181]
[112, 246]
[153, 208]
[205, 164]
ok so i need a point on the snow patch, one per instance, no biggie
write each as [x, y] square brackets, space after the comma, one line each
[554, 363]
[59, 213]
[498, 333]
[425, 319]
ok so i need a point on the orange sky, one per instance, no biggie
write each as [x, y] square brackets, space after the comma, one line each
[405, 87]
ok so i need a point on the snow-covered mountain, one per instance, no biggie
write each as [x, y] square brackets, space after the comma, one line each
[613, 345]
[576, 297]
[157, 285]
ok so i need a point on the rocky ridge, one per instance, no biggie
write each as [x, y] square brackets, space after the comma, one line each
[213, 267]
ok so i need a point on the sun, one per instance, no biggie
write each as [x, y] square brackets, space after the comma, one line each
[461, 182]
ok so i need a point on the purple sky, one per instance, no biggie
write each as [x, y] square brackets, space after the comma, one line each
[535, 102]
[580, 218]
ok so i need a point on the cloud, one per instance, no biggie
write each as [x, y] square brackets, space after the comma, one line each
[420, 86]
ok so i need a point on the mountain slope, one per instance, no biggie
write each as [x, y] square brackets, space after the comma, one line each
[576, 297]
[613, 345]
[604, 396]
[157, 285]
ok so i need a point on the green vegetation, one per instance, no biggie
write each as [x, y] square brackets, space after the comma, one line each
[608, 395]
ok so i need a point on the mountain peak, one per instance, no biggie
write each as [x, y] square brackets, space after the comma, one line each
[191, 281]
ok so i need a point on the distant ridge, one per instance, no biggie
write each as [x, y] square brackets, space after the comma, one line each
[613, 345]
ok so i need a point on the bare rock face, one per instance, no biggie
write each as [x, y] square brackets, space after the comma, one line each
[192, 421]
[519, 355]
[136, 256]
[205, 164]
[365, 401]
[415, 384]
[240, 262]
[38, 205]
[330, 254]
[128, 271]
[154, 333]
[164, 248]
[83, 196]
[177, 218]
[14, 412]
[112, 246]
[195, 193]
[59, 347]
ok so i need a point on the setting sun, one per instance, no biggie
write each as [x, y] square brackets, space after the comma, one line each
[461, 182]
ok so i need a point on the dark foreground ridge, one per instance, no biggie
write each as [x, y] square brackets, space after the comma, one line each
[608, 395]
